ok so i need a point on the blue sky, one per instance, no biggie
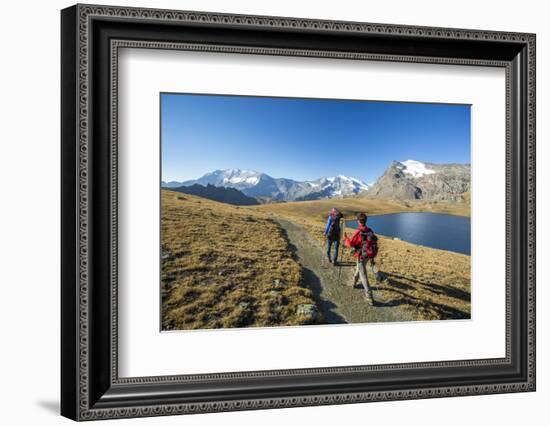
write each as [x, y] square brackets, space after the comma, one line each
[305, 139]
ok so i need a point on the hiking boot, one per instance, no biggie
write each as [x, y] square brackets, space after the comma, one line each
[370, 299]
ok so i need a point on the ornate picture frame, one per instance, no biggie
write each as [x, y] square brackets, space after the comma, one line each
[91, 37]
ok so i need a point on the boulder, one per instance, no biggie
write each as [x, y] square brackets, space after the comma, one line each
[244, 305]
[308, 310]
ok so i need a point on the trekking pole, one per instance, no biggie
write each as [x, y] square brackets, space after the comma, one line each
[342, 232]
[342, 243]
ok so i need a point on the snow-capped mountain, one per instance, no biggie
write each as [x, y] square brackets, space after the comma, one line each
[415, 168]
[230, 178]
[332, 187]
[412, 179]
[267, 188]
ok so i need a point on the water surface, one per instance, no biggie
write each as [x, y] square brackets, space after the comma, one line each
[440, 231]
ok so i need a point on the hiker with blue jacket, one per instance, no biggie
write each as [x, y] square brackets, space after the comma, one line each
[332, 234]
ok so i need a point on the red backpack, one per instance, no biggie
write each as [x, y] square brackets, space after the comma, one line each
[369, 244]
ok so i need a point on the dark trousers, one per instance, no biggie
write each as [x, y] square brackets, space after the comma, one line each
[330, 244]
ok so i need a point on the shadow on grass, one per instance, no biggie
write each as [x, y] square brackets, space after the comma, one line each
[346, 264]
[437, 288]
[399, 289]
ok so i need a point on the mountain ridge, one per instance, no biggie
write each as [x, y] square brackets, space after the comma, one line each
[218, 193]
[402, 180]
[417, 180]
[264, 187]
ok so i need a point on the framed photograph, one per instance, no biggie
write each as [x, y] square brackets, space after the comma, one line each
[263, 212]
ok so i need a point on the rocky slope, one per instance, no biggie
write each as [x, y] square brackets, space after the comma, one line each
[415, 180]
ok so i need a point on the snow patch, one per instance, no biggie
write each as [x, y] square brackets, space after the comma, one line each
[416, 168]
[244, 180]
[341, 185]
[238, 177]
[253, 180]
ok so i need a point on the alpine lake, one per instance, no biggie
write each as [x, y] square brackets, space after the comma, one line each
[440, 231]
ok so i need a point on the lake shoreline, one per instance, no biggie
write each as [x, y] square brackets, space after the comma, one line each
[233, 285]
[387, 237]
[421, 211]
[427, 229]
[431, 283]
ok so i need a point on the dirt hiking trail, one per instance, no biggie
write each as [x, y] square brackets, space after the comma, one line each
[338, 301]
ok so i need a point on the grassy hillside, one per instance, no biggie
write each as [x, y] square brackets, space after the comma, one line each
[230, 266]
[226, 266]
[350, 206]
[430, 283]
[218, 193]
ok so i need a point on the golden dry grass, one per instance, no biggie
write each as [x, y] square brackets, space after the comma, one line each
[226, 266]
[432, 284]
[350, 206]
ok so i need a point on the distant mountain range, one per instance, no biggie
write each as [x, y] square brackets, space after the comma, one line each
[413, 180]
[218, 193]
[267, 189]
[402, 180]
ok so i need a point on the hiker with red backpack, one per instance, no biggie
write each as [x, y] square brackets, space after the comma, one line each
[365, 244]
[332, 234]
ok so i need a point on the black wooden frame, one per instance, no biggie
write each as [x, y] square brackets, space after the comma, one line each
[90, 387]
